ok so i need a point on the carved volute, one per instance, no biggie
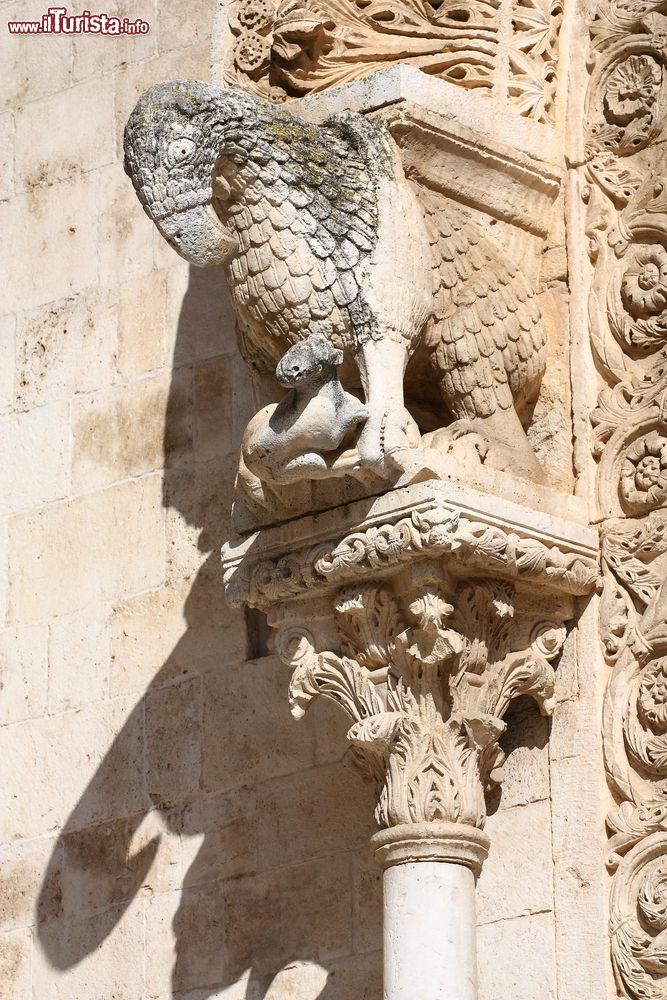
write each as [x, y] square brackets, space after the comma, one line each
[422, 624]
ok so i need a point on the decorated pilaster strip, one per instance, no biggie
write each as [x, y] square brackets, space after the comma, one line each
[627, 228]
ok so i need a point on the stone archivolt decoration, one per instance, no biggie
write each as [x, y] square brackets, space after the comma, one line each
[298, 47]
[627, 227]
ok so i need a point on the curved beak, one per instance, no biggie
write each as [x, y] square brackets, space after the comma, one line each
[198, 236]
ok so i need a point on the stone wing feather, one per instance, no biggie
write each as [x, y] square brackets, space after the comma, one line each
[309, 219]
[486, 335]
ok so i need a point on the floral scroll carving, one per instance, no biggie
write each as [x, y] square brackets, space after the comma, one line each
[627, 229]
[289, 48]
[435, 531]
[426, 676]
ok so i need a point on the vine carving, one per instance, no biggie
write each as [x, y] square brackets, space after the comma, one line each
[627, 229]
[289, 48]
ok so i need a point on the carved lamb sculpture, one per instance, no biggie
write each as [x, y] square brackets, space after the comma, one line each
[301, 437]
[320, 233]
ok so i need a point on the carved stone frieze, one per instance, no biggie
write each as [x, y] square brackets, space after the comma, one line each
[627, 228]
[433, 519]
[288, 48]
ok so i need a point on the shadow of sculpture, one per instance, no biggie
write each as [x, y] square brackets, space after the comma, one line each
[222, 759]
[527, 737]
[282, 878]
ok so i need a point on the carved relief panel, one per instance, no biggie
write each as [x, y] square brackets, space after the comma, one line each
[289, 48]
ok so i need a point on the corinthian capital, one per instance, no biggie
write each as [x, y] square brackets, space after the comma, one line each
[422, 624]
[426, 670]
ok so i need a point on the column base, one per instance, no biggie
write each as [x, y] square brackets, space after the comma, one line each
[451, 843]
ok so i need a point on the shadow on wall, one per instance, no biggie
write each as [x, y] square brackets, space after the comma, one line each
[221, 759]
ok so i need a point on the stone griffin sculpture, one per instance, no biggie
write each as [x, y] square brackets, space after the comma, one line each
[321, 235]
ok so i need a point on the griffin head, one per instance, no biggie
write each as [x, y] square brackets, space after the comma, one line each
[173, 140]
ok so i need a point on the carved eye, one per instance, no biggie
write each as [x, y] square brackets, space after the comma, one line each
[179, 150]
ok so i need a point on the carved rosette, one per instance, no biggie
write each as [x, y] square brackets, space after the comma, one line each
[627, 228]
[289, 48]
[423, 626]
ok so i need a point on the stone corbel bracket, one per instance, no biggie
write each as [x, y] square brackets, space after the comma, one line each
[453, 159]
[422, 614]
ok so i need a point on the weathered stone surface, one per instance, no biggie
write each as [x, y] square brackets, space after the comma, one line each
[310, 918]
[22, 56]
[7, 362]
[45, 156]
[141, 325]
[79, 659]
[65, 348]
[6, 156]
[198, 502]
[200, 322]
[313, 813]
[4, 571]
[145, 633]
[104, 742]
[91, 956]
[517, 959]
[22, 880]
[123, 247]
[251, 738]
[62, 251]
[112, 862]
[24, 672]
[93, 56]
[174, 736]
[228, 825]
[531, 877]
[16, 948]
[36, 446]
[367, 902]
[121, 432]
[123, 551]
[526, 743]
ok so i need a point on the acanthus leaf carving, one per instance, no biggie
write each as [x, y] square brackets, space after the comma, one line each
[533, 57]
[288, 48]
[304, 46]
[425, 681]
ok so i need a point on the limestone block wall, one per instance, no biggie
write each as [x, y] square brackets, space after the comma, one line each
[166, 829]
